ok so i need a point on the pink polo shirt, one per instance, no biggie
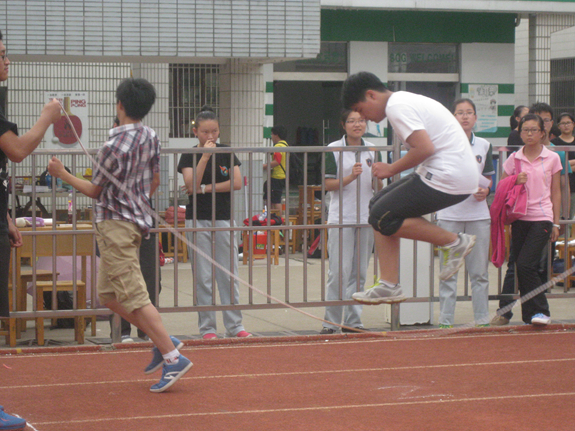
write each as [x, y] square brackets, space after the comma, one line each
[539, 179]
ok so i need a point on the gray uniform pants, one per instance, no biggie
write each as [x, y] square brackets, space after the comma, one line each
[203, 276]
[349, 267]
[476, 263]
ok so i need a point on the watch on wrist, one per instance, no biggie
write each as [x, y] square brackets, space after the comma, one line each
[557, 226]
[203, 187]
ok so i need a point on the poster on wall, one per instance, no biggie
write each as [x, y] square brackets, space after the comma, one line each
[60, 134]
[485, 98]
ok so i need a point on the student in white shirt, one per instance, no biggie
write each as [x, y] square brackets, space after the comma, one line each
[470, 216]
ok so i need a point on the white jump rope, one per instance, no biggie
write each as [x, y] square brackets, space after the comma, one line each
[181, 237]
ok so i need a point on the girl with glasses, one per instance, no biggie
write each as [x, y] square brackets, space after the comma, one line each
[539, 169]
[565, 123]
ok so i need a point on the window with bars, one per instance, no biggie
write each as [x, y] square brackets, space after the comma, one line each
[191, 87]
[563, 85]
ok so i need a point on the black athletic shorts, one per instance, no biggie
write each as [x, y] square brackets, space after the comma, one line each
[277, 190]
[407, 198]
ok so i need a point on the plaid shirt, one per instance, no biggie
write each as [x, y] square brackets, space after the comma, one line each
[132, 156]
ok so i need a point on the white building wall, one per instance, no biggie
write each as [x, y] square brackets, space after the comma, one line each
[522, 63]
[491, 63]
[562, 44]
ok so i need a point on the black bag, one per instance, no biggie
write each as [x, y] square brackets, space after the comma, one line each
[65, 302]
[295, 169]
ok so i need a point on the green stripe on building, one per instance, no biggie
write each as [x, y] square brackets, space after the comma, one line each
[267, 132]
[502, 132]
[501, 88]
[505, 110]
[269, 87]
[269, 109]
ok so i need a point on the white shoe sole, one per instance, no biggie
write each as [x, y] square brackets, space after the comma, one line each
[447, 276]
[540, 323]
[174, 380]
[386, 300]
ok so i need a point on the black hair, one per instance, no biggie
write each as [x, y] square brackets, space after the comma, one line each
[539, 107]
[206, 113]
[531, 117]
[280, 131]
[137, 96]
[463, 100]
[116, 121]
[516, 113]
[0, 34]
[565, 114]
[355, 86]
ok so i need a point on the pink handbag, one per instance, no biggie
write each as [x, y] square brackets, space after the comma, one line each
[516, 200]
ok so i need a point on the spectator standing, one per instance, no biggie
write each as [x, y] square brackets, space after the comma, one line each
[472, 217]
[352, 168]
[278, 167]
[514, 139]
[565, 122]
[207, 130]
[540, 172]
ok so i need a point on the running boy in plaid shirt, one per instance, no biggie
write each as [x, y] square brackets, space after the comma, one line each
[132, 156]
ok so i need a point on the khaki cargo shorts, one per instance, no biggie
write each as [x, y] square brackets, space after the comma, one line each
[119, 276]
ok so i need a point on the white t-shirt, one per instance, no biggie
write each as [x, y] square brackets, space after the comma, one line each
[471, 209]
[452, 168]
[335, 169]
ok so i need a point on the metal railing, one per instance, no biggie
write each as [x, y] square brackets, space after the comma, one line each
[294, 289]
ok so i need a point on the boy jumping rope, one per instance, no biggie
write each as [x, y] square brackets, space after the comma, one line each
[132, 156]
[446, 174]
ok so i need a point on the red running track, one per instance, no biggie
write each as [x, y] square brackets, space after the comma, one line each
[485, 380]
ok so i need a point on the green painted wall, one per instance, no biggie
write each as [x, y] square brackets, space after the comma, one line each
[416, 26]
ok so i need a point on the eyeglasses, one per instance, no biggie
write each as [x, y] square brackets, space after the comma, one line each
[464, 113]
[566, 123]
[359, 121]
[530, 131]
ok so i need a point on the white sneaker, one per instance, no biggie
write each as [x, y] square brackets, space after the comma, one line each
[379, 294]
[453, 257]
[540, 319]
[127, 339]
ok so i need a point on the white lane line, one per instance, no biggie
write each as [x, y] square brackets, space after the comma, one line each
[307, 409]
[300, 373]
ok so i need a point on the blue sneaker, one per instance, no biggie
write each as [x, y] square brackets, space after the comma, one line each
[540, 319]
[158, 359]
[172, 373]
[9, 422]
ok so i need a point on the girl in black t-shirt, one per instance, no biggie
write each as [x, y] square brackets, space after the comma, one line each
[566, 122]
[215, 180]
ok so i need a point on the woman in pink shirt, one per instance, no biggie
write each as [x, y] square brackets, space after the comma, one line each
[540, 172]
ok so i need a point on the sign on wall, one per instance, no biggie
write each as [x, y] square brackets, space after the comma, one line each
[61, 135]
[485, 98]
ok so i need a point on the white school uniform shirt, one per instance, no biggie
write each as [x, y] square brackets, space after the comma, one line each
[471, 209]
[335, 167]
[451, 168]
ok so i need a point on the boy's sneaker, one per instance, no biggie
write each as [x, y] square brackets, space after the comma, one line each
[172, 373]
[9, 422]
[499, 321]
[380, 293]
[540, 319]
[327, 331]
[158, 359]
[453, 257]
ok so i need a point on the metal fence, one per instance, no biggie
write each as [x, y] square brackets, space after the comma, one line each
[293, 288]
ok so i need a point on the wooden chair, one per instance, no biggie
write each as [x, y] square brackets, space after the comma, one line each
[173, 245]
[64, 247]
[275, 244]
